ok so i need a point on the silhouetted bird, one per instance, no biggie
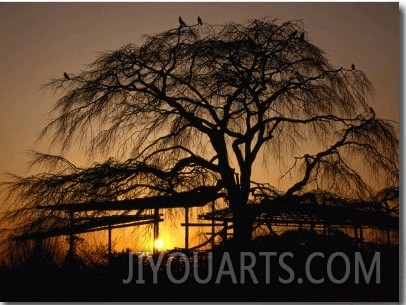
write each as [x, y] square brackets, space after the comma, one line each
[353, 66]
[199, 20]
[181, 22]
[302, 36]
[372, 110]
[66, 75]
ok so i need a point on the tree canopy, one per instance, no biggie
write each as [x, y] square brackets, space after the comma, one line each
[196, 105]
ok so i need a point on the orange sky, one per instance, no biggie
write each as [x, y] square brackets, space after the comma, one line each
[40, 41]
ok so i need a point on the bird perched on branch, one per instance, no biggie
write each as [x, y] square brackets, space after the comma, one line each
[353, 66]
[181, 22]
[66, 75]
[302, 36]
[372, 111]
[199, 20]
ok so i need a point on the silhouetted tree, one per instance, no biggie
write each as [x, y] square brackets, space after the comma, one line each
[195, 106]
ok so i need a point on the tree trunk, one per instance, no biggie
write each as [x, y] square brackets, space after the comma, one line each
[242, 227]
[242, 215]
[242, 221]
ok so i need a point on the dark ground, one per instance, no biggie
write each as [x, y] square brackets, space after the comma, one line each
[39, 281]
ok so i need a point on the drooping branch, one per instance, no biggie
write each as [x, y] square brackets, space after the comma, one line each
[382, 157]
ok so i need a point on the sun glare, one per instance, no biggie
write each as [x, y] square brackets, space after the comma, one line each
[159, 244]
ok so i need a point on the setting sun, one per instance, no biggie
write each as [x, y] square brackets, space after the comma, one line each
[165, 144]
[158, 244]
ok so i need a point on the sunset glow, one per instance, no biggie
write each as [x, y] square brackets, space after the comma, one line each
[159, 244]
[187, 130]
